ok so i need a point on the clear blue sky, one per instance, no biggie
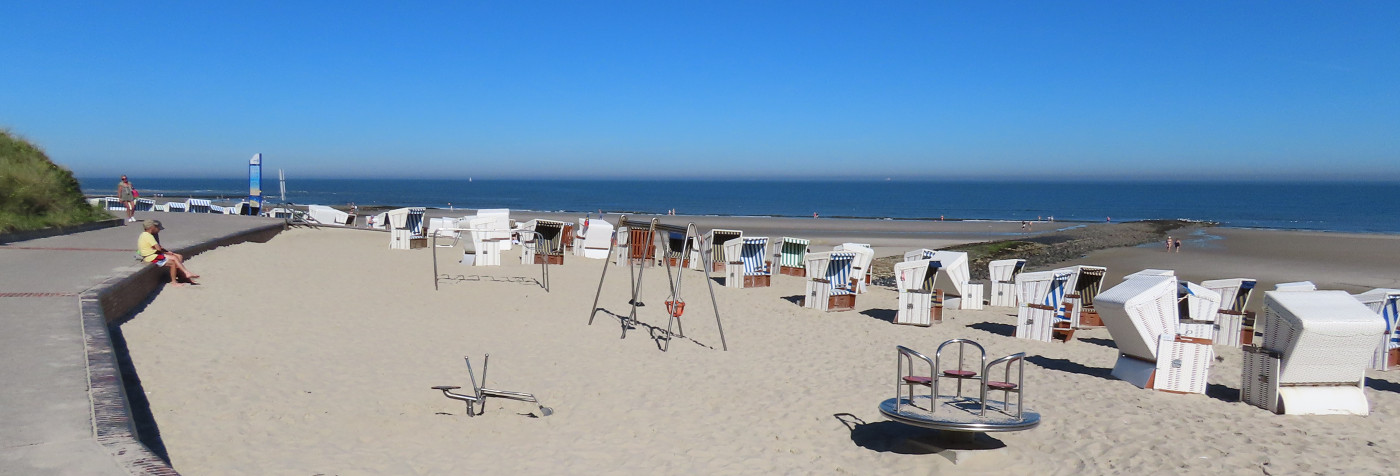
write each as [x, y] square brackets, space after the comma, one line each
[1039, 90]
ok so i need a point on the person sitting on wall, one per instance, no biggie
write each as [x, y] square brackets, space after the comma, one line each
[148, 246]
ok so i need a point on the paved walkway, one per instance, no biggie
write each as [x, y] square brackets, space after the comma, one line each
[62, 409]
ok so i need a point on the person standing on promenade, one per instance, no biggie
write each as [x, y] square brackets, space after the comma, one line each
[127, 195]
[148, 246]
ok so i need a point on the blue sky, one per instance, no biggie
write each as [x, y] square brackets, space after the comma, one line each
[1042, 90]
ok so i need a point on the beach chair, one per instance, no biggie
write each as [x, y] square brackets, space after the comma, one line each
[145, 205]
[176, 207]
[596, 237]
[790, 257]
[500, 226]
[952, 265]
[712, 245]
[1003, 275]
[329, 216]
[549, 249]
[407, 229]
[1081, 289]
[860, 269]
[829, 282]
[1040, 315]
[107, 203]
[1386, 303]
[678, 248]
[1142, 315]
[485, 242]
[1315, 351]
[1198, 308]
[1236, 326]
[197, 205]
[748, 266]
[920, 304]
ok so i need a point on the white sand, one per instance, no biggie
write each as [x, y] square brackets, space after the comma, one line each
[314, 354]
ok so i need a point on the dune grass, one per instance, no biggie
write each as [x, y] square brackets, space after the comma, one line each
[36, 193]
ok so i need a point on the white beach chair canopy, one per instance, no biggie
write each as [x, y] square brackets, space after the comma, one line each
[1323, 336]
[1138, 312]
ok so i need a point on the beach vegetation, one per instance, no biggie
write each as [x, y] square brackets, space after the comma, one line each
[37, 193]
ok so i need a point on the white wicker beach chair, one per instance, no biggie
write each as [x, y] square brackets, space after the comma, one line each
[1003, 275]
[485, 246]
[829, 282]
[500, 226]
[1232, 320]
[1080, 291]
[1141, 314]
[1039, 315]
[920, 304]
[1386, 303]
[329, 216]
[1317, 346]
[748, 266]
[407, 229]
[952, 265]
[594, 238]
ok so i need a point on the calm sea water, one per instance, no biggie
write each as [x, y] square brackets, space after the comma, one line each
[1350, 207]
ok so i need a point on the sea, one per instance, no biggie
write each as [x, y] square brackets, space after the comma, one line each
[1363, 207]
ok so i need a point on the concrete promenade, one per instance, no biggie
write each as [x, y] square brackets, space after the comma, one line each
[63, 410]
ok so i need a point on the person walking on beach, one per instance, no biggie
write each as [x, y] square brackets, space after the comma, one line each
[127, 195]
[1177, 245]
[1169, 244]
[148, 246]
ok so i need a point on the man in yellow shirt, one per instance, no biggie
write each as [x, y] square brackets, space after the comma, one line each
[151, 252]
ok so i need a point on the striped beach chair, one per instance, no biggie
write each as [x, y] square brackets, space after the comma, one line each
[1040, 294]
[1385, 302]
[713, 245]
[176, 207]
[747, 267]
[197, 205]
[407, 228]
[550, 250]
[829, 283]
[145, 205]
[860, 268]
[790, 257]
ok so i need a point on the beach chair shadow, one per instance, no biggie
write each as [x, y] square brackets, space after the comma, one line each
[1069, 366]
[1100, 341]
[886, 315]
[898, 438]
[1382, 385]
[1222, 393]
[1006, 330]
[795, 299]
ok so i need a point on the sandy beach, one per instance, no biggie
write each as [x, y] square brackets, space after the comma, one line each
[314, 353]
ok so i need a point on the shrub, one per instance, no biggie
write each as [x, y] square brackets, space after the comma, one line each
[36, 193]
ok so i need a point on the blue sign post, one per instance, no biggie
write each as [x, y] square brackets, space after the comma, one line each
[254, 185]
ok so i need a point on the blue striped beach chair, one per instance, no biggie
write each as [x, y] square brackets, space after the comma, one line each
[829, 284]
[176, 207]
[407, 228]
[145, 205]
[1041, 294]
[791, 257]
[197, 205]
[748, 267]
[1385, 302]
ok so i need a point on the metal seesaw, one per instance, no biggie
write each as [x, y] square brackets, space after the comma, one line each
[963, 417]
[478, 398]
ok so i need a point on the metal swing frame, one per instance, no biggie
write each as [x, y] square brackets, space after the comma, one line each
[637, 268]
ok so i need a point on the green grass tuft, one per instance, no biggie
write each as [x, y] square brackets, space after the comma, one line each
[36, 193]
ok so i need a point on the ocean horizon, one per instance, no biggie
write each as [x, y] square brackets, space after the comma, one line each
[1366, 207]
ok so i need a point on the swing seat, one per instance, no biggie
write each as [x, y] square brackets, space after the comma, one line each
[1001, 386]
[918, 380]
[675, 308]
[959, 373]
